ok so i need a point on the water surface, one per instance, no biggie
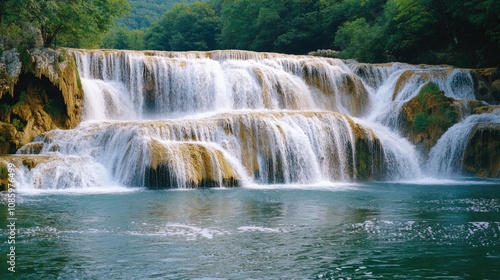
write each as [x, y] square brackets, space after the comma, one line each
[433, 229]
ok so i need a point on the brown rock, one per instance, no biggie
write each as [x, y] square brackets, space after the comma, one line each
[427, 116]
[482, 155]
[46, 95]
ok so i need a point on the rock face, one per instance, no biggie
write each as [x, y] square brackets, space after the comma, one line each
[18, 161]
[427, 116]
[487, 85]
[40, 90]
[202, 166]
[482, 155]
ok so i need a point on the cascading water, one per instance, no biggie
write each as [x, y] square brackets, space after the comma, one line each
[225, 118]
[392, 86]
[447, 156]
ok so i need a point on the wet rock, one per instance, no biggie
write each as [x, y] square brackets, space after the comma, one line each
[40, 90]
[427, 116]
[482, 155]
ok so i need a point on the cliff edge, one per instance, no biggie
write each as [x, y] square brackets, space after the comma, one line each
[40, 90]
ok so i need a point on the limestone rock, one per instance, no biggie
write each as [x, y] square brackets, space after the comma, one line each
[487, 85]
[486, 109]
[427, 116]
[482, 155]
[40, 90]
[191, 165]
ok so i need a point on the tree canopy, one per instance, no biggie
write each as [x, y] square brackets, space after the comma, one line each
[185, 27]
[74, 23]
[460, 32]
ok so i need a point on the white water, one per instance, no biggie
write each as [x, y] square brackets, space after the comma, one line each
[257, 118]
[447, 155]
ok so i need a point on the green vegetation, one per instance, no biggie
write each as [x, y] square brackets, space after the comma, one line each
[186, 27]
[18, 124]
[437, 109]
[146, 12]
[464, 33]
[76, 23]
[129, 31]
[23, 97]
[421, 122]
[4, 176]
[4, 171]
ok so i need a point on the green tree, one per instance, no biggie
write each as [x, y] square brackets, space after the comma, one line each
[360, 40]
[186, 27]
[239, 28]
[288, 26]
[124, 39]
[75, 23]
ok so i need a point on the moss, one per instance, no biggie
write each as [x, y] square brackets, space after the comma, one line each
[421, 122]
[436, 109]
[427, 116]
[4, 175]
[429, 88]
[4, 171]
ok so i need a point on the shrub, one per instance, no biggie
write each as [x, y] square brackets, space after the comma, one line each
[18, 124]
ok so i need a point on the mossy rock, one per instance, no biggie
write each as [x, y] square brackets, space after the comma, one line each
[427, 116]
[44, 95]
[4, 177]
[187, 165]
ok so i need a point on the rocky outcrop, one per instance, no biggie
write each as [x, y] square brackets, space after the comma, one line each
[40, 90]
[427, 116]
[486, 109]
[17, 161]
[190, 165]
[369, 155]
[482, 154]
[487, 85]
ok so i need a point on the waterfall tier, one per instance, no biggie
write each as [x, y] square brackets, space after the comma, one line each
[241, 146]
[229, 118]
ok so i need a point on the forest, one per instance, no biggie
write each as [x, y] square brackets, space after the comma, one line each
[464, 33]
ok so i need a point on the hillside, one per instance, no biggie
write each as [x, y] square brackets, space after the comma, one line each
[146, 12]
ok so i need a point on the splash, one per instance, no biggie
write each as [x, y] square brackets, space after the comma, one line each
[447, 156]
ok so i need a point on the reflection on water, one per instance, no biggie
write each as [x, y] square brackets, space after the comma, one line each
[377, 230]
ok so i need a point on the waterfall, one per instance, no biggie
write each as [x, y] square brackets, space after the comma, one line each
[447, 156]
[162, 84]
[392, 85]
[230, 118]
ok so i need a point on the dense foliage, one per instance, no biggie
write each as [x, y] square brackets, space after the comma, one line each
[186, 27]
[77, 23]
[129, 31]
[460, 32]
